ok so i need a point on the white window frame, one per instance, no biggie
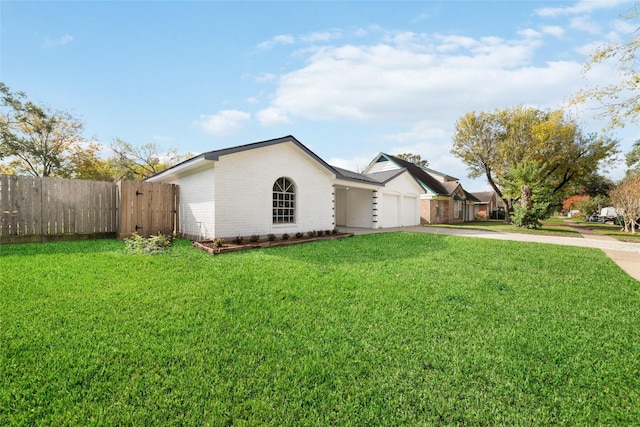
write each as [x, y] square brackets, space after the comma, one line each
[284, 201]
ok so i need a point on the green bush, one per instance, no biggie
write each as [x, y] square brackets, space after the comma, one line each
[271, 237]
[137, 244]
[530, 218]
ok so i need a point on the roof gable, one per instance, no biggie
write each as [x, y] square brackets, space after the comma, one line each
[216, 154]
[428, 182]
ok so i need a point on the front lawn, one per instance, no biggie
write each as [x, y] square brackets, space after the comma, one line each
[384, 329]
[550, 227]
[612, 230]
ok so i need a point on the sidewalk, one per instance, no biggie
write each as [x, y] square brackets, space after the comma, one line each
[625, 255]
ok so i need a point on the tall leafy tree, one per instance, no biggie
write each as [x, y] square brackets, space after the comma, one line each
[542, 151]
[36, 140]
[620, 101]
[141, 162]
[633, 160]
[626, 199]
[414, 158]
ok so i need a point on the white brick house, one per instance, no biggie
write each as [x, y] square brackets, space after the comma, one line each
[280, 186]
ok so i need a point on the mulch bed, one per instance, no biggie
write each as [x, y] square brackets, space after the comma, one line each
[210, 247]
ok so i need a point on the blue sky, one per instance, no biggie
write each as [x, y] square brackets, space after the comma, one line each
[348, 79]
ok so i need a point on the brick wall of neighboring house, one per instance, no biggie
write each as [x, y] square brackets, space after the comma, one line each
[482, 211]
[425, 211]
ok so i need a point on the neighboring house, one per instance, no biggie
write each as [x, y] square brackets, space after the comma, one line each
[442, 198]
[280, 186]
[488, 205]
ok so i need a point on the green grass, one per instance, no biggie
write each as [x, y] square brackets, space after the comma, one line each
[550, 227]
[615, 231]
[385, 329]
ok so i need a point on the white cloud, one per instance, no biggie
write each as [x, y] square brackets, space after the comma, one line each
[553, 30]
[275, 41]
[322, 36]
[529, 33]
[393, 84]
[266, 77]
[58, 42]
[586, 24]
[272, 116]
[225, 122]
[580, 7]
[356, 164]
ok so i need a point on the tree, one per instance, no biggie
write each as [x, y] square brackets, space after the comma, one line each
[619, 101]
[414, 158]
[141, 162]
[525, 182]
[552, 147]
[37, 140]
[588, 206]
[632, 159]
[626, 199]
[87, 164]
[593, 185]
[573, 202]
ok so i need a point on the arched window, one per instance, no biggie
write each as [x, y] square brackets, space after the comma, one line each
[284, 201]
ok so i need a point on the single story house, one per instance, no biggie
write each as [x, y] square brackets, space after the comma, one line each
[488, 205]
[279, 186]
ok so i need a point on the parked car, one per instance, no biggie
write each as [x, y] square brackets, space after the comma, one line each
[593, 218]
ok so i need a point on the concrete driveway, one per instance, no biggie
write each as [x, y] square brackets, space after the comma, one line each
[626, 255]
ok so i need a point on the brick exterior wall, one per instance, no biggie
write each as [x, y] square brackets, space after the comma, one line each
[244, 189]
[430, 214]
[197, 204]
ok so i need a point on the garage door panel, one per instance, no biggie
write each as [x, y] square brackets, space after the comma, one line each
[390, 211]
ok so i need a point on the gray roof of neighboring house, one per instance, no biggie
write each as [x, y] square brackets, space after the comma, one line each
[379, 178]
[423, 177]
[471, 197]
[483, 196]
[353, 176]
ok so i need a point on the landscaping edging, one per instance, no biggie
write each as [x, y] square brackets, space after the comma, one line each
[209, 245]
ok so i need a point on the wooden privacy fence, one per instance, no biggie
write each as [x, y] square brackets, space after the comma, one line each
[36, 209]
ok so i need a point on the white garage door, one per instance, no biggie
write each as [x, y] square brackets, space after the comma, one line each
[390, 211]
[409, 211]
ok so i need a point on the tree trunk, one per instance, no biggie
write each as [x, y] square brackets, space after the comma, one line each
[508, 203]
[525, 199]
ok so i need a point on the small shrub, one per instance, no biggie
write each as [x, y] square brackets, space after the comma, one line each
[334, 231]
[311, 233]
[327, 232]
[137, 244]
[238, 240]
[271, 237]
[218, 243]
[299, 235]
[530, 218]
[285, 236]
[254, 238]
